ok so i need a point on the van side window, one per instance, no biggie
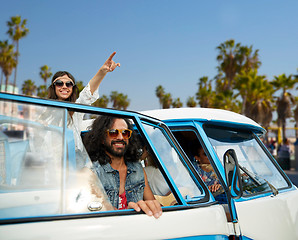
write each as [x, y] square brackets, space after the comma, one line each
[188, 188]
[195, 152]
[41, 173]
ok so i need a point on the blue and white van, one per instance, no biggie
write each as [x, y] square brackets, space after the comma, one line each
[49, 191]
[264, 202]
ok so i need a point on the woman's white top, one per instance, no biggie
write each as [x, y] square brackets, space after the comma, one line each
[87, 98]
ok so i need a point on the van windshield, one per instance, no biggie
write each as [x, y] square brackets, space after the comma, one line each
[251, 157]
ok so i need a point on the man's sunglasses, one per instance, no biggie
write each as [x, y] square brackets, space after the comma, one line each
[126, 133]
[59, 83]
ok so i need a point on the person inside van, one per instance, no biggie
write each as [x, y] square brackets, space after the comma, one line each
[156, 181]
[206, 172]
[114, 150]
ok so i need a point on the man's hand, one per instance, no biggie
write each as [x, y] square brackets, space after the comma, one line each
[150, 207]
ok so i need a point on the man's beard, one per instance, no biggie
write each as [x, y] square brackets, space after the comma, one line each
[109, 148]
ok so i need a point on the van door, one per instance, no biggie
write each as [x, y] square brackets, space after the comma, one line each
[268, 208]
[182, 181]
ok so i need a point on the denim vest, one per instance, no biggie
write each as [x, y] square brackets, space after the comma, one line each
[134, 184]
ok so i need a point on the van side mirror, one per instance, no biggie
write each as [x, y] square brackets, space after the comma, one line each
[232, 173]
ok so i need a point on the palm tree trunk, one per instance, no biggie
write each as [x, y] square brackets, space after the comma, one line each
[15, 70]
[6, 83]
[2, 74]
[243, 109]
[15, 79]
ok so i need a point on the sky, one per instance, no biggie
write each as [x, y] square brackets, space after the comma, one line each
[158, 42]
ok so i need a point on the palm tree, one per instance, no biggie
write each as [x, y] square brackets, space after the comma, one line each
[42, 91]
[2, 74]
[17, 30]
[160, 92]
[248, 59]
[119, 100]
[191, 102]
[283, 111]
[114, 98]
[124, 102]
[80, 85]
[177, 103]
[45, 73]
[167, 100]
[226, 100]
[285, 100]
[234, 58]
[228, 61]
[205, 93]
[102, 102]
[259, 98]
[2, 55]
[7, 60]
[29, 87]
[256, 93]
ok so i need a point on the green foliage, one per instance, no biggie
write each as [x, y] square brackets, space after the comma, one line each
[119, 100]
[8, 60]
[42, 91]
[283, 82]
[238, 87]
[160, 92]
[256, 93]
[45, 73]
[80, 85]
[29, 87]
[205, 94]
[177, 103]
[191, 102]
[17, 30]
[165, 99]
[102, 102]
[285, 102]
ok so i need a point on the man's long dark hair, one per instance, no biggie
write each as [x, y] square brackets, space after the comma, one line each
[94, 141]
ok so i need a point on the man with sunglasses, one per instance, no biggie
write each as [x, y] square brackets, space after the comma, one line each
[114, 150]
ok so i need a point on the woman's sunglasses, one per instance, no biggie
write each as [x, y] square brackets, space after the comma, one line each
[113, 133]
[59, 83]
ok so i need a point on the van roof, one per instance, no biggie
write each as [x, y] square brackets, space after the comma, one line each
[200, 113]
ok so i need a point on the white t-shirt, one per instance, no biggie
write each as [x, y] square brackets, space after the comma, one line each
[156, 181]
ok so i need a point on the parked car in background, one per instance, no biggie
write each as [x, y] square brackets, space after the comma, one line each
[49, 191]
[261, 198]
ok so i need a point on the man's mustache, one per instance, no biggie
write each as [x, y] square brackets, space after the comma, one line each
[119, 141]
